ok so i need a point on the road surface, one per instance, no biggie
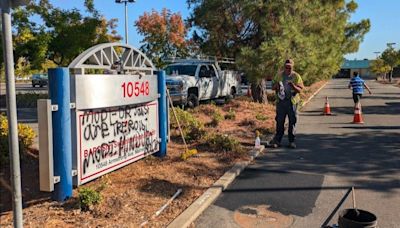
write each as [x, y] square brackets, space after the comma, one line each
[301, 187]
[23, 87]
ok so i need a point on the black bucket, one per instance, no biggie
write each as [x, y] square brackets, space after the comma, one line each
[356, 218]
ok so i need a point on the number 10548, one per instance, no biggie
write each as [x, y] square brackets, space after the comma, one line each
[136, 89]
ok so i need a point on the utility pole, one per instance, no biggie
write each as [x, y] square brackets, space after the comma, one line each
[12, 109]
[126, 16]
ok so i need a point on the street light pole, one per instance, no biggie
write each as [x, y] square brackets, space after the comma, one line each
[377, 53]
[126, 16]
[126, 23]
[13, 146]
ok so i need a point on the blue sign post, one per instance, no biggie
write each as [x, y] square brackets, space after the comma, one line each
[162, 104]
[75, 143]
[59, 92]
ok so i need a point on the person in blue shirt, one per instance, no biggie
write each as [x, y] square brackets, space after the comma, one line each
[357, 85]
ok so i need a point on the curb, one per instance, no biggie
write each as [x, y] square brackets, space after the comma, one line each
[191, 213]
[313, 95]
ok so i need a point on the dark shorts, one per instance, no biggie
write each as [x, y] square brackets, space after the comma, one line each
[357, 97]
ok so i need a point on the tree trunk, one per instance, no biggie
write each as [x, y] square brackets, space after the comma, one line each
[259, 91]
[391, 75]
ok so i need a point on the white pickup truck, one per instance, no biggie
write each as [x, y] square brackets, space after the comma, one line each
[191, 80]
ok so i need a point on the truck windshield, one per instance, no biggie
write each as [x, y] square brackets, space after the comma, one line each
[181, 70]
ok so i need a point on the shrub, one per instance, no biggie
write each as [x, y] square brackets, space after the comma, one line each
[216, 118]
[188, 153]
[223, 143]
[192, 128]
[29, 100]
[26, 100]
[206, 109]
[265, 131]
[26, 136]
[88, 198]
[247, 123]
[261, 117]
[231, 115]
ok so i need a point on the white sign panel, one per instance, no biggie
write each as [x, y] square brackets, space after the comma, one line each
[111, 138]
[100, 91]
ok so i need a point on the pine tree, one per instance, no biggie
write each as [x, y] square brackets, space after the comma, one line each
[262, 34]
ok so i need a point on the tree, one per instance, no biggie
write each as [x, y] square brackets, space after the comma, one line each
[392, 58]
[72, 33]
[262, 34]
[379, 67]
[22, 67]
[62, 36]
[164, 35]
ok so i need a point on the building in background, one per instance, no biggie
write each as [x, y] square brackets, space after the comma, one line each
[362, 66]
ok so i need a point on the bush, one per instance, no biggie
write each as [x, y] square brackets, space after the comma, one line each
[247, 123]
[265, 131]
[206, 108]
[26, 100]
[192, 128]
[88, 198]
[188, 153]
[261, 117]
[231, 115]
[29, 100]
[216, 118]
[26, 136]
[223, 143]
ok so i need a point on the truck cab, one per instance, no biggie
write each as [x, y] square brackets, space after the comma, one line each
[192, 81]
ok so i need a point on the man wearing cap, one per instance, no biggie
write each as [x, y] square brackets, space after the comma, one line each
[287, 85]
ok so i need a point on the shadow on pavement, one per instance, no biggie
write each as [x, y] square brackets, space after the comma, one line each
[279, 190]
[373, 155]
[291, 180]
[391, 108]
[371, 127]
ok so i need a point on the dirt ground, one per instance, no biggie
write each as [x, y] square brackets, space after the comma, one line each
[395, 82]
[133, 194]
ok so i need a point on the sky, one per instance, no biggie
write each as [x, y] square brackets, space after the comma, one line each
[383, 15]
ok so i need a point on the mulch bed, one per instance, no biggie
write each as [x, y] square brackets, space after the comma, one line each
[132, 194]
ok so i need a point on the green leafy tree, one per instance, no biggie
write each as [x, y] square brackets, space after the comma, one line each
[22, 67]
[391, 57]
[2, 73]
[164, 35]
[379, 67]
[62, 36]
[72, 33]
[262, 34]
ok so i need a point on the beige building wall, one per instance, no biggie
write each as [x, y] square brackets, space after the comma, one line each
[364, 73]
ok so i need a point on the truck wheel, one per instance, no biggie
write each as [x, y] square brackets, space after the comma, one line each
[193, 101]
[231, 95]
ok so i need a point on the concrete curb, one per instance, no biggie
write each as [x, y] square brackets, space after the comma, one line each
[314, 94]
[204, 201]
[197, 207]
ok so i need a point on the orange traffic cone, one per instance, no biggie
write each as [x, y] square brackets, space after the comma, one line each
[327, 108]
[357, 114]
